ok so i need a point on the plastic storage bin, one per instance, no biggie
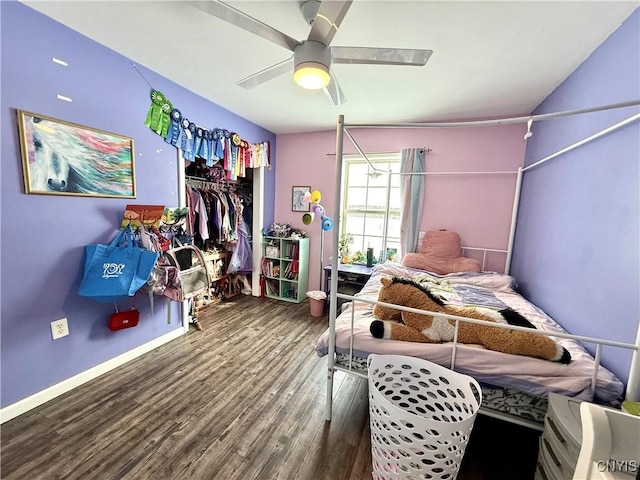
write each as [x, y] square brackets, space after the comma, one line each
[421, 417]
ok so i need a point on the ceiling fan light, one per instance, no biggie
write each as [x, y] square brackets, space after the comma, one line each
[311, 75]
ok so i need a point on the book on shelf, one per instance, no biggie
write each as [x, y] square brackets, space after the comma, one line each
[291, 271]
[291, 250]
[272, 287]
[270, 268]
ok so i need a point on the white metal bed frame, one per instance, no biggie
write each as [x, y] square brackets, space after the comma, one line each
[633, 384]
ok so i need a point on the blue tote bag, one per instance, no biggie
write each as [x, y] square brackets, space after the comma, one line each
[116, 270]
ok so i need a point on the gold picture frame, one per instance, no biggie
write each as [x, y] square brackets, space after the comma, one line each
[64, 158]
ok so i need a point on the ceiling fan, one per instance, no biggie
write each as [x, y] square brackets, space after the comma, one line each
[312, 58]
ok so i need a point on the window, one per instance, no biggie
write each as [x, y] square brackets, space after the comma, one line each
[367, 196]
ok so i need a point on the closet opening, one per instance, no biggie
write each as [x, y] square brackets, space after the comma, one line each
[221, 211]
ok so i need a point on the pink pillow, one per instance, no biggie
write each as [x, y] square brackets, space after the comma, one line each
[441, 244]
[441, 253]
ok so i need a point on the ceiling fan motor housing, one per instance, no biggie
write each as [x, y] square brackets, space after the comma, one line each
[311, 51]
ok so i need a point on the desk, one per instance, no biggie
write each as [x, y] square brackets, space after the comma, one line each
[351, 279]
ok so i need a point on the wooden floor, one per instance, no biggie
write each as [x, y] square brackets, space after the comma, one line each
[242, 399]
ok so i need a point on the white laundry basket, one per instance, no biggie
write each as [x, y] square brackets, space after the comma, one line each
[421, 417]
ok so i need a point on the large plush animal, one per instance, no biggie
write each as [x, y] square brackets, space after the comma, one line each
[416, 327]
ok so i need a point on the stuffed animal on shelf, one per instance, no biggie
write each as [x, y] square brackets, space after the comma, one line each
[418, 327]
[441, 253]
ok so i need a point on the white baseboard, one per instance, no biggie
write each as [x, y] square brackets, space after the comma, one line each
[43, 396]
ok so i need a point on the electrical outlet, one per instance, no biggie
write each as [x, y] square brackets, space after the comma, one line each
[59, 328]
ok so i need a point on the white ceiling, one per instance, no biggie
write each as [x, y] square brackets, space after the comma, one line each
[490, 59]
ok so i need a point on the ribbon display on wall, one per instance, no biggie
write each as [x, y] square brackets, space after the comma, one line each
[213, 145]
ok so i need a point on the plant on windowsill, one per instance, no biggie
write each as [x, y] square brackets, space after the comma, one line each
[359, 258]
[346, 239]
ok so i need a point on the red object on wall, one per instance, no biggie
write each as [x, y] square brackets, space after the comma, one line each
[120, 320]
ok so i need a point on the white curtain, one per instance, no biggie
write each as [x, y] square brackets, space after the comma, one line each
[411, 196]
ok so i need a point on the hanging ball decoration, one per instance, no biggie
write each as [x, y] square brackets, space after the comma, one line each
[327, 223]
[315, 196]
[307, 218]
[307, 197]
[317, 209]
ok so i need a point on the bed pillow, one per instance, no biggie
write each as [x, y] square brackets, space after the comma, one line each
[441, 253]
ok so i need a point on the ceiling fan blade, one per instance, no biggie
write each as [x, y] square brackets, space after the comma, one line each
[267, 74]
[380, 56]
[242, 20]
[334, 92]
[328, 19]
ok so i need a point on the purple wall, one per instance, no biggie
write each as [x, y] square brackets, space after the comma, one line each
[43, 237]
[576, 245]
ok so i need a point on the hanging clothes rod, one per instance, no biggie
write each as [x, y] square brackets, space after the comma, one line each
[220, 181]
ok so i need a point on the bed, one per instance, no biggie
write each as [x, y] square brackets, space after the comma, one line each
[514, 386]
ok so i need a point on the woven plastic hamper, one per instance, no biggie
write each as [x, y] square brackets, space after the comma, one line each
[421, 416]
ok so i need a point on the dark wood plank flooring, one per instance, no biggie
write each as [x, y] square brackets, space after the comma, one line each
[242, 399]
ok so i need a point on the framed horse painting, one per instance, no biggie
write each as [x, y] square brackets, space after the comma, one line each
[64, 158]
[298, 203]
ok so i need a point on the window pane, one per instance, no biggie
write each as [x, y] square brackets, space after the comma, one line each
[394, 199]
[374, 224]
[365, 203]
[357, 174]
[356, 198]
[396, 179]
[354, 223]
[393, 228]
[377, 199]
[375, 243]
[356, 246]
[378, 179]
[395, 245]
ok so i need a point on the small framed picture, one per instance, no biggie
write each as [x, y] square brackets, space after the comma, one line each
[298, 204]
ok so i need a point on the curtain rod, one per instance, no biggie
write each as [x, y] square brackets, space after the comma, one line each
[427, 150]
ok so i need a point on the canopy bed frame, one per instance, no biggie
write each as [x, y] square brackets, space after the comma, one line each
[342, 130]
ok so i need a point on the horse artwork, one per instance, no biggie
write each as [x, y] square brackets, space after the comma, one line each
[68, 159]
[416, 327]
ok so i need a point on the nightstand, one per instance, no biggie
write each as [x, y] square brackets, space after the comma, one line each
[561, 439]
[351, 279]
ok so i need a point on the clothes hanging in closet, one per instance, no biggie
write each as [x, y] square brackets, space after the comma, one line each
[214, 215]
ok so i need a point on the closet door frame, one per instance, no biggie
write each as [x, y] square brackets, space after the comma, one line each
[258, 220]
[182, 202]
[256, 232]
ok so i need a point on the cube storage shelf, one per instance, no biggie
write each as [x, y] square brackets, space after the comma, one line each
[285, 268]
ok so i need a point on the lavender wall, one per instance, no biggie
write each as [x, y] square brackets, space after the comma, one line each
[576, 246]
[43, 237]
[478, 208]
